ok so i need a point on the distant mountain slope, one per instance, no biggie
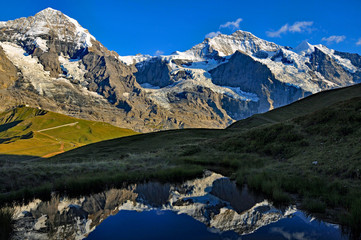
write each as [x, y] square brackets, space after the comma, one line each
[36, 132]
[50, 61]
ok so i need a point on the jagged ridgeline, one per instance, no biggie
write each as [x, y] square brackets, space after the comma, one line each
[50, 61]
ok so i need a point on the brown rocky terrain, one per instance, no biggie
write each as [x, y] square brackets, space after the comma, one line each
[8, 72]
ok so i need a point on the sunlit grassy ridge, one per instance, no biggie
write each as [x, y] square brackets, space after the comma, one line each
[35, 132]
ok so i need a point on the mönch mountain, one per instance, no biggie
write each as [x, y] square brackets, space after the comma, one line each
[50, 61]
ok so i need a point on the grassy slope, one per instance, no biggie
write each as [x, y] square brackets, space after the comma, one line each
[276, 158]
[21, 132]
[304, 106]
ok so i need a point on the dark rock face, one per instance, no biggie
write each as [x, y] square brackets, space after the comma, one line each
[182, 74]
[332, 71]
[240, 71]
[239, 109]
[202, 105]
[261, 54]
[280, 54]
[8, 72]
[58, 46]
[155, 72]
[50, 61]
[182, 62]
[108, 76]
[354, 58]
[252, 76]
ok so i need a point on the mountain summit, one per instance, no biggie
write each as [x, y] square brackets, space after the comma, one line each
[305, 47]
[47, 25]
[52, 62]
[241, 41]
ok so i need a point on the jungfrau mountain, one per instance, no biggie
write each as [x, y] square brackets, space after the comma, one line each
[50, 61]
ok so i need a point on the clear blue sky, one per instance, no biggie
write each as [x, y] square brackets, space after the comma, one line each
[146, 26]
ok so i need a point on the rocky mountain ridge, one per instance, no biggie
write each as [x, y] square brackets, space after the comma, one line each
[50, 61]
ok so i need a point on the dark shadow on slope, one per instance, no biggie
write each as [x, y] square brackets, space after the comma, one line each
[9, 125]
[11, 158]
[15, 138]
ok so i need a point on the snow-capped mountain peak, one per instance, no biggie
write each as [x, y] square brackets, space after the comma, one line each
[243, 34]
[48, 12]
[304, 48]
[241, 41]
[57, 19]
[225, 45]
[49, 22]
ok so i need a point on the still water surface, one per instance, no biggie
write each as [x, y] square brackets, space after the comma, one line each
[155, 224]
[211, 207]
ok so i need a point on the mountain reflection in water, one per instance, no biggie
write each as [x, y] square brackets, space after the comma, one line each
[211, 207]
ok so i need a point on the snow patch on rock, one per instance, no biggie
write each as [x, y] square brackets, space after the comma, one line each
[199, 77]
[41, 43]
[345, 63]
[32, 70]
[129, 60]
[304, 48]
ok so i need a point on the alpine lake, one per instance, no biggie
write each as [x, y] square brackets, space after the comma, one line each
[211, 207]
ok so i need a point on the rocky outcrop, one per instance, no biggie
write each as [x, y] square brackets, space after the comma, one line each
[241, 71]
[281, 56]
[353, 57]
[206, 105]
[8, 72]
[328, 68]
[355, 60]
[252, 76]
[108, 76]
[261, 54]
[237, 109]
[50, 61]
[155, 72]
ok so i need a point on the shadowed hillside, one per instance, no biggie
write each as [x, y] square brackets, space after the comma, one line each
[299, 108]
